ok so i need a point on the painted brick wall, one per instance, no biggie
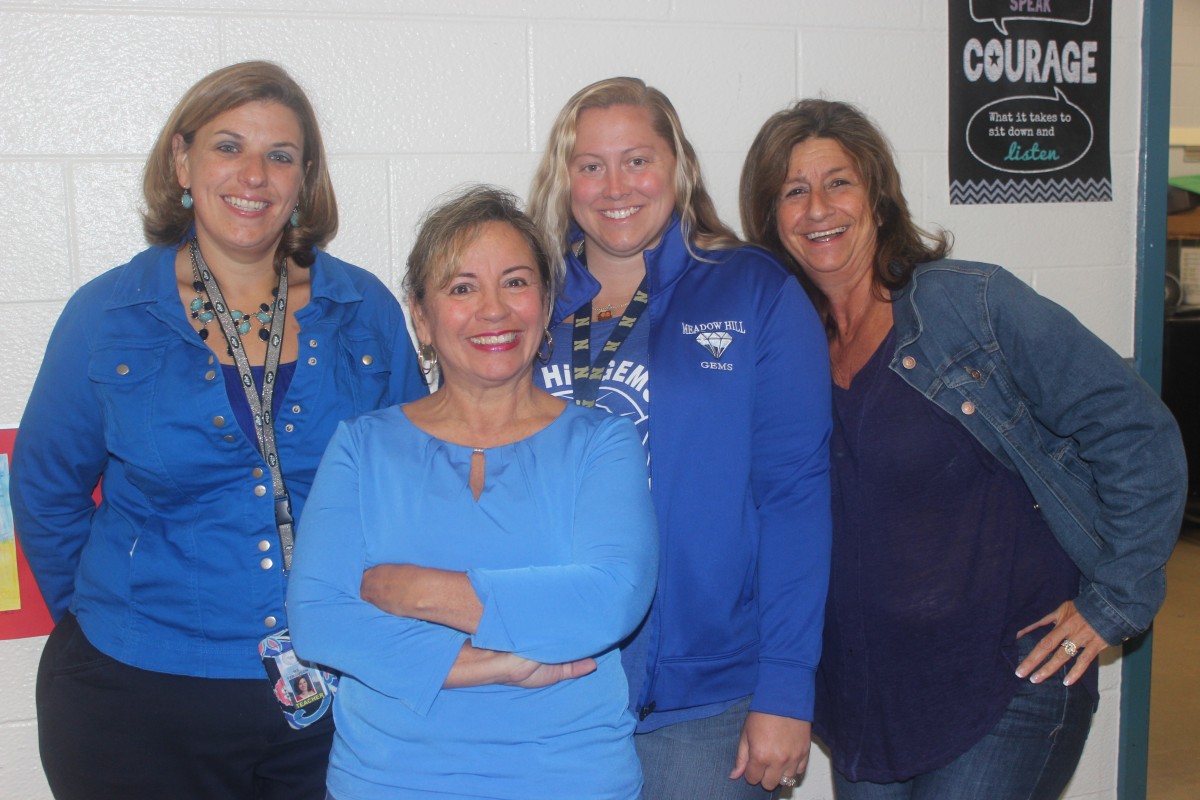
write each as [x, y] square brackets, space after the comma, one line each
[417, 96]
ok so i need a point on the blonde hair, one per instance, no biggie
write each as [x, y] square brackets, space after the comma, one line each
[167, 222]
[550, 194]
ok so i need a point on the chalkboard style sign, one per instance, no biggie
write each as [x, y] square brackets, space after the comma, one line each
[1029, 101]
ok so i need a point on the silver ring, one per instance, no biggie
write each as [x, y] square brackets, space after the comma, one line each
[787, 781]
[1069, 647]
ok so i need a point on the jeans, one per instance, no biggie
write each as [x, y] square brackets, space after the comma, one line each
[692, 760]
[1030, 754]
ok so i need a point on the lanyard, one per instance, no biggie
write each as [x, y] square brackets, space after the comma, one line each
[586, 375]
[264, 425]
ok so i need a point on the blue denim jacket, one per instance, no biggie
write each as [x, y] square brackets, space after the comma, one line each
[1099, 451]
[178, 570]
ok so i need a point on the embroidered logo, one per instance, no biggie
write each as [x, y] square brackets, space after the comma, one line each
[715, 343]
[716, 337]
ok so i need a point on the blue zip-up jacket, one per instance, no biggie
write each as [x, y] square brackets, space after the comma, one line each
[739, 463]
[178, 570]
[1099, 451]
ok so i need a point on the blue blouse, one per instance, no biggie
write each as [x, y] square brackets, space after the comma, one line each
[939, 557]
[561, 549]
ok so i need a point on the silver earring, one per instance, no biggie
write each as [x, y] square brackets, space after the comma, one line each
[295, 218]
[186, 201]
[548, 341]
[427, 361]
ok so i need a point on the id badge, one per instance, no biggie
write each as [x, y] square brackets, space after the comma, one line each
[305, 693]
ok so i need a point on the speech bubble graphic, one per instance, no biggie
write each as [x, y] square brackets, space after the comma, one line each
[1030, 133]
[1001, 12]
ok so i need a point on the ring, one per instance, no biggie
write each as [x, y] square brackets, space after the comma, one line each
[1069, 647]
[787, 781]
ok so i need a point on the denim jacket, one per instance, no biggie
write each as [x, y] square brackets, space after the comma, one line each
[177, 570]
[1099, 451]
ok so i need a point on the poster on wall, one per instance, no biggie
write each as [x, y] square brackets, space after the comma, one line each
[22, 610]
[1029, 101]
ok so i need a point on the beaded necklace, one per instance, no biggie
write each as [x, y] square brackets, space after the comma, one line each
[202, 311]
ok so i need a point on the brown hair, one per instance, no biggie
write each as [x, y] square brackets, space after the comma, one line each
[550, 195]
[900, 243]
[167, 222]
[448, 229]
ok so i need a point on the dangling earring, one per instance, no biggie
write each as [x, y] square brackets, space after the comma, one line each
[548, 341]
[186, 201]
[295, 218]
[427, 360]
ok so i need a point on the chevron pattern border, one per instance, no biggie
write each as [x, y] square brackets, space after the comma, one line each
[1025, 190]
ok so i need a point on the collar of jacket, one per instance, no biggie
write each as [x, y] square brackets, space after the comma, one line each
[665, 263]
[905, 318]
[150, 279]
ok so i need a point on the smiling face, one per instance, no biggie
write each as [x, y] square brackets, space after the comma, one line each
[487, 323]
[245, 171]
[622, 181]
[824, 214]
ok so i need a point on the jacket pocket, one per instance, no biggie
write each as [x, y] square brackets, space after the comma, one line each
[370, 370]
[125, 379]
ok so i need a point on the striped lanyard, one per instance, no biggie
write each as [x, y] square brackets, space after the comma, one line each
[586, 374]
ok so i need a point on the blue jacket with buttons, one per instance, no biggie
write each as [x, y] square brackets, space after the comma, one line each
[177, 569]
[1099, 451]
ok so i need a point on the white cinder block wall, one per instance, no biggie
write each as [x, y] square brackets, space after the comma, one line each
[417, 96]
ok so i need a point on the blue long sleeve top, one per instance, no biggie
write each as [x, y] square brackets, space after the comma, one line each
[178, 568]
[561, 549]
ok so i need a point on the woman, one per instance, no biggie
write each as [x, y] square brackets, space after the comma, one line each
[480, 658]
[180, 572]
[1005, 489]
[660, 294]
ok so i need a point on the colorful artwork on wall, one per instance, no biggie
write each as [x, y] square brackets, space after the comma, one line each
[22, 611]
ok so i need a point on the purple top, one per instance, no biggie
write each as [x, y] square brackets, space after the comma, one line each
[939, 557]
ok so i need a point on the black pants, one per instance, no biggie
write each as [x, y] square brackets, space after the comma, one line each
[109, 730]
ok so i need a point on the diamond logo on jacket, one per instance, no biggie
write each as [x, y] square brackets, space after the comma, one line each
[715, 343]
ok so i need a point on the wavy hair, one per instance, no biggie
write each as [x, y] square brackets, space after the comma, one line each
[900, 244]
[550, 194]
[167, 222]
